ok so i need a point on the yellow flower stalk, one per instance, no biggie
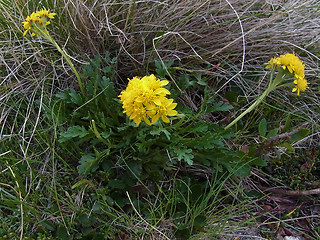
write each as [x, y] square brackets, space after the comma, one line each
[145, 99]
[36, 24]
[288, 65]
[295, 66]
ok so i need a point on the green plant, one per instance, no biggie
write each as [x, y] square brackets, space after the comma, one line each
[288, 65]
[110, 149]
[98, 130]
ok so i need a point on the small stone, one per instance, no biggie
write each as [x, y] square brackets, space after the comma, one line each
[292, 238]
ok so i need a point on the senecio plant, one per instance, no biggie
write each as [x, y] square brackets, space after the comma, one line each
[287, 65]
[36, 24]
[145, 99]
[97, 126]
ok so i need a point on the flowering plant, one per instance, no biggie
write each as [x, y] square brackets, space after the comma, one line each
[36, 24]
[288, 65]
[145, 99]
[294, 65]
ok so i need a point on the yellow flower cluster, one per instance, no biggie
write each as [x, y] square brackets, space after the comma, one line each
[145, 99]
[295, 66]
[37, 21]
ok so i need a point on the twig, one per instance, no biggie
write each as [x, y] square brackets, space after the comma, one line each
[270, 142]
[289, 220]
[291, 192]
[235, 236]
[287, 134]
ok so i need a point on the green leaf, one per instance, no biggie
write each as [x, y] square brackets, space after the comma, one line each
[287, 124]
[135, 167]
[83, 182]
[299, 135]
[48, 225]
[85, 220]
[108, 69]
[75, 97]
[88, 164]
[62, 95]
[106, 135]
[272, 132]
[219, 107]
[200, 81]
[185, 154]
[252, 150]
[107, 164]
[116, 183]
[97, 207]
[90, 88]
[184, 81]
[158, 131]
[73, 132]
[207, 141]
[242, 171]
[106, 83]
[259, 162]
[200, 221]
[162, 70]
[62, 233]
[197, 191]
[199, 127]
[254, 194]
[263, 127]
[232, 96]
[288, 146]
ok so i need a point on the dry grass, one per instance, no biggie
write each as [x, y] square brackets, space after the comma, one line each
[236, 35]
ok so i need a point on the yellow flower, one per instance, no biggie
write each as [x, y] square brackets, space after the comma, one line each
[301, 85]
[163, 109]
[294, 65]
[43, 13]
[138, 113]
[36, 22]
[145, 99]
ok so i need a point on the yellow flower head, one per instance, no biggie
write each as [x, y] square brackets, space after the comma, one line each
[43, 13]
[145, 99]
[36, 22]
[301, 85]
[164, 108]
[294, 65]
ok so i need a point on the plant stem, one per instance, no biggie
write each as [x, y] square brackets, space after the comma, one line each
[256, 103]
[97, 134]
[47, 36]
[273, 84]
[70, 64]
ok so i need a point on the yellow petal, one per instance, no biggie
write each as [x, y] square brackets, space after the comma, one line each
[147, 121]
[172, 113]
[164, 82]
[165, 119]
[155, 118]
[137, 121]
[157, 101]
